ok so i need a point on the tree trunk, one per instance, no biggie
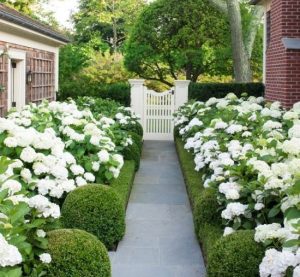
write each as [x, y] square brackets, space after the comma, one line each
[115, 30]
[241, 60]
[115, 37]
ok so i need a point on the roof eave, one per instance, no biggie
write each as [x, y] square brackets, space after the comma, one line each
[31, 26]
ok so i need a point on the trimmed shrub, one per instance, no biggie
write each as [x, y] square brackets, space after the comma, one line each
[136, 128]
[123, 184]
[193, 179]
[96, 209]
[137, 139]
[207, 209]
[119, 92]
[208, 235]
[235, 255]
[204, 91]
[76, 253]
[132, 152]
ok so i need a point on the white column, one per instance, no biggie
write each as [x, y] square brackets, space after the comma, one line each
[137, 97]
[181, 92]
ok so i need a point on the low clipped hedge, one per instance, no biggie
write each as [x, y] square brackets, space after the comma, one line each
[137, 139]
[192, 178]
[133, 152]
[98, 210]
[135, 128]
[207, 210]
[124, 183]
[204, 91]
[119, 92]
[76, 253]
[235, 255]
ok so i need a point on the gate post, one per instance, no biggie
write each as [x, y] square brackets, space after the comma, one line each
[181, 92]
[137, 97]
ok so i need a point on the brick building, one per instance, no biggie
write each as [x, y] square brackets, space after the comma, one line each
[29, 55]
[282, 50]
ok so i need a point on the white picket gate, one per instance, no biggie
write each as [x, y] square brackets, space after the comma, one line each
[158, 115]
[157, 109]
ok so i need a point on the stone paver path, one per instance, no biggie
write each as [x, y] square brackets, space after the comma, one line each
[160, 239]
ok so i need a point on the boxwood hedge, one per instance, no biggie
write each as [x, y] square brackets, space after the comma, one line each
[233, 256]
[76, 253]
[204, 91]
[96, 209]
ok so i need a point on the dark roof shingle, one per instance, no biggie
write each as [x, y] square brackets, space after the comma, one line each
[13, 16]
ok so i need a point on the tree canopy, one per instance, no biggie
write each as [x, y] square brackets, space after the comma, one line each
[170, 39]
[105, 21]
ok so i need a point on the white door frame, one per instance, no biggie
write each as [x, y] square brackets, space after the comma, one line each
[20, 96]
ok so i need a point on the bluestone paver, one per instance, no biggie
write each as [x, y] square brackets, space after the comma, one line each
[160, 239]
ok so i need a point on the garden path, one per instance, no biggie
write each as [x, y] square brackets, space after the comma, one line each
[160, 239]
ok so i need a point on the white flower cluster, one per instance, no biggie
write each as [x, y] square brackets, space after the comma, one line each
[44, 160]
[9, 254]
[79, 129]
[276, 263]
[249, 152]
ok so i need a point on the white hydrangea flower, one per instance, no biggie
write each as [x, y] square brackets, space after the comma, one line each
[44, 206]
[45, 258]
[228, 231]
[89, 177]
[28, 155]
[294, 131]
[231, 190]
[103, 156]
[26, 174]
[13, 186]
[234, 210]
[258, 206]
[11, 142]
[95, 166]
[80, 181]
[291, 146]
[77, 169]
[276, 263]
[9, 254]
[40, 233]
[234, 128]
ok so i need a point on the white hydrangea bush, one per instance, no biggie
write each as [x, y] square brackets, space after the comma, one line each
[95, 144]
[46, 165]
[24, 217]
[46, 151]
[249, 152]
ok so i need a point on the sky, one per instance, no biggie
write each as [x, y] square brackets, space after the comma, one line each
[62, 10]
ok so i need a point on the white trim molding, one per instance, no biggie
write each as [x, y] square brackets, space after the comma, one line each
[20, 82]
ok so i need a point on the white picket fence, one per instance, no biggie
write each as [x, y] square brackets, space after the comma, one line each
[157, 109]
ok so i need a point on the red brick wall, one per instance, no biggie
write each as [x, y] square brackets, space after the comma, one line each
[283, 66]
[42, 65]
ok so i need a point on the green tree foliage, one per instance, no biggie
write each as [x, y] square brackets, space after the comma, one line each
[106, 21]
[73, 58]
[85, 71]
[106, 68]
[35, 9]
[24, 6]
[170, 39]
